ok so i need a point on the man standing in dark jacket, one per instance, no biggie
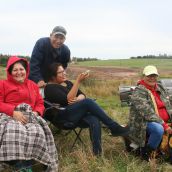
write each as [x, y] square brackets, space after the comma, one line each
[46, 51]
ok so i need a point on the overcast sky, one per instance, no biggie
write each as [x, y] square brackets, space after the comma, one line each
[104, 29]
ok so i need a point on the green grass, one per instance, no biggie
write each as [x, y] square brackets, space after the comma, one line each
[2, 73]
[114, 157]
[129, 63]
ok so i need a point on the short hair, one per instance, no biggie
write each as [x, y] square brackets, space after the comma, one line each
[52, 70]
[22, 62]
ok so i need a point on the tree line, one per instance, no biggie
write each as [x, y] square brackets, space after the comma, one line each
[79, 59]
[160, 56]
[4, 59]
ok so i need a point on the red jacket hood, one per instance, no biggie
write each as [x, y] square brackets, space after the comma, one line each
[11, 61]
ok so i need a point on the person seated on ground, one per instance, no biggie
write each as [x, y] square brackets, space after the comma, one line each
[77, 106]
[150, 113]
[25, 136]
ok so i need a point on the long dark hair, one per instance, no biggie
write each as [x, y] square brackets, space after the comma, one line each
[22, 62]
[52, 70]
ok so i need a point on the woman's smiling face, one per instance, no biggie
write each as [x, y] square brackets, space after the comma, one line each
[18, 73]
[61, 75]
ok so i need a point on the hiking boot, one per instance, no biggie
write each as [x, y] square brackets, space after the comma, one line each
[147, 153]
[127, 144]
[118, 130]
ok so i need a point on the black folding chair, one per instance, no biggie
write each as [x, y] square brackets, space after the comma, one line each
[52, 109]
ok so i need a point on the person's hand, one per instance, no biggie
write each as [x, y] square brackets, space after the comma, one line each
[71, 101]
[41, 84]
[82, 77]
[169, 130]
[20, 117]
[80, 97]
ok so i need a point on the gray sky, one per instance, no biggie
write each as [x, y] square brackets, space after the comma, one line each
[104, 29]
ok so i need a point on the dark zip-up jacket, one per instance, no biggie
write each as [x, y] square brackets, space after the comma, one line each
[44, 55]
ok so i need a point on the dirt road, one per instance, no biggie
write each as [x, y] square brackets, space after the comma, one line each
[107, 73]
[104, 72]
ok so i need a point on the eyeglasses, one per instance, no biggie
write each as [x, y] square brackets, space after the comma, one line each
[152, 76]
[63, 72]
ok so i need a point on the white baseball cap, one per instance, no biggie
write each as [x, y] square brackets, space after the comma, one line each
[149, 70]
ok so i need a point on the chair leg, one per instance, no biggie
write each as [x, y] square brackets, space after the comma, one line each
[77, 137]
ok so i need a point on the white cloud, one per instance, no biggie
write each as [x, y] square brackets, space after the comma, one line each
[102, 29]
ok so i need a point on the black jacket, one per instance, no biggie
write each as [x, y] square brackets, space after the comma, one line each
[44, 55]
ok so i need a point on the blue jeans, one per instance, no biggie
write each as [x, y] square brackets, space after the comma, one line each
[155, 132]
[77, 111]
[95, 133]
[89, 111]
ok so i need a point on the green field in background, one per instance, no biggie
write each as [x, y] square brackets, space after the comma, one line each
[129, 63]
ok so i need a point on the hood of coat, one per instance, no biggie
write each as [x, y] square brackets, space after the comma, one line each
[11, 61]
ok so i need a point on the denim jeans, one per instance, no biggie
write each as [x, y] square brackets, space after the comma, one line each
[89, 111]
[155, 132]
[77, 111]
[95, 133]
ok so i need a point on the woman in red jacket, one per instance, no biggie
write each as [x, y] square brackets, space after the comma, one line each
[24, 134]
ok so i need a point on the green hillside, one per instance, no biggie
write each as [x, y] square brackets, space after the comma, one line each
[133, 63]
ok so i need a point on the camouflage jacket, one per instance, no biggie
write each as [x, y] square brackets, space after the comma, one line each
[142, 111]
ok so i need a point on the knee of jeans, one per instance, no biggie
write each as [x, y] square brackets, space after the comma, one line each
[159, 130]
[88, 101]
[93, 122]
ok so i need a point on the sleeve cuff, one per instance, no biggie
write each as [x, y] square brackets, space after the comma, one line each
[165, 125]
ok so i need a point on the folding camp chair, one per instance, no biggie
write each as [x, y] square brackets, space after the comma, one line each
[52, 109]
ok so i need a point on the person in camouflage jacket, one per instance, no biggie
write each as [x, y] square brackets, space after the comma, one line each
[150, 111]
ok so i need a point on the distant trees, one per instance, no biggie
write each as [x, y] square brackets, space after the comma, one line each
[79, 59]
[160, 56]
[4, 58]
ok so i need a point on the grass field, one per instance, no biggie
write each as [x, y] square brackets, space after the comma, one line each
[114, 157]
[130, 63]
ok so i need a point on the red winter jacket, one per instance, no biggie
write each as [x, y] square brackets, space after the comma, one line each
[13, 93]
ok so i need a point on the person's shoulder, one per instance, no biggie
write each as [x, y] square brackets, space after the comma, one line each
[160, 86]
[68, 82]
[43, 40]
[42, 43]
[51, 86]
[1, 81]
[140, 89]
[4, 81]
[65, 47]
